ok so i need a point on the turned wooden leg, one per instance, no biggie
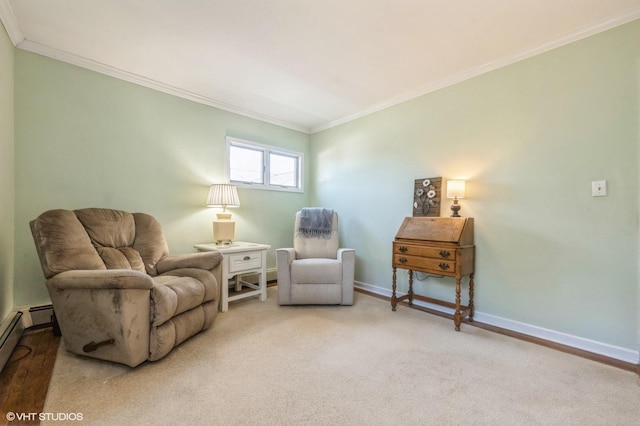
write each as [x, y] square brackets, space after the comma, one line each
[457, 320]
[411, 286]
[394, 299]
[471, 297]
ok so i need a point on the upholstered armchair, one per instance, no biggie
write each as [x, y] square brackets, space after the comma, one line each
[315, 270]
[117, 293]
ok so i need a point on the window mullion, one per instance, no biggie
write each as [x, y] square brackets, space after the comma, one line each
[265, 167]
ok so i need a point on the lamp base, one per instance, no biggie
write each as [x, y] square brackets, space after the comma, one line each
[223, 229]
[455, 208]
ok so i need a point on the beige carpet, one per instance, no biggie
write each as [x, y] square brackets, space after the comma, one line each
[262, 364]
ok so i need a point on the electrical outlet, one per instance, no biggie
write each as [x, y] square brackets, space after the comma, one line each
[599, 188]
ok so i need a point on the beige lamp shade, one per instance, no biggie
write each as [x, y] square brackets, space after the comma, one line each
[223, 195]
[456, 188]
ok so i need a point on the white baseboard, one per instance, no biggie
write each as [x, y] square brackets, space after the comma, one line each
[605, 349]
[12, 329]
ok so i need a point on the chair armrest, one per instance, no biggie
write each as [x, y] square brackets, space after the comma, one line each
[208, 260]
[348, 259]
[343, 251]
[108, 306]
[286, 255]
[102, 279]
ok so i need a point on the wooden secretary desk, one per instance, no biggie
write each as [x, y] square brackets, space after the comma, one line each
[442, 246]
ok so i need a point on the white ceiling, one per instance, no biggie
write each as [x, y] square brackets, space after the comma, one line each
[304, 64]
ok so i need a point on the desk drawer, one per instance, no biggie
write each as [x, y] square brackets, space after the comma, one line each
[245, 261]
[425, 264]
[435, 252]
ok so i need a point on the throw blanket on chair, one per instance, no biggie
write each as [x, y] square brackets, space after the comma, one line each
[316, 222]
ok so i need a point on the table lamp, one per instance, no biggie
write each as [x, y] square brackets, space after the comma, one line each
[455, 190]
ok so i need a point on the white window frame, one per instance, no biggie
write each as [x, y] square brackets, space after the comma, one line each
[266, 150]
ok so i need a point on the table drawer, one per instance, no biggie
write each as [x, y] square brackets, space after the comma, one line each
[245, 261]
[435, 252]
[426, 264]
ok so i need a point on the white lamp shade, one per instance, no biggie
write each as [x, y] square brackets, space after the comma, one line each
[456, 188]
[223, 195]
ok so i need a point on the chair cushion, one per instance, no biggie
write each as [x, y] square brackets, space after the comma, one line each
[205, 277]
[121, 258]
[172, 295]
[179, 328]
[112, 232]
[63, 244]
[316, 271]
[149, 242]
[107, 227]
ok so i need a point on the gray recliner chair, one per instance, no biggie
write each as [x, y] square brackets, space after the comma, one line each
[117, 293]
[315, 270]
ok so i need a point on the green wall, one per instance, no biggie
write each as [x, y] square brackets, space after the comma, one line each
[6, 174]
[529, 138]
[84, 139]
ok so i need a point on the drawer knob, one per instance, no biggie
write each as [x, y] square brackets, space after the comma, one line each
[403, 249]
[403, 260]
[247, 258]
[443, 266]
[445, 253]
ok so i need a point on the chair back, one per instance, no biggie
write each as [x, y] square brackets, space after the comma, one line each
[316, 246]
[97, 238]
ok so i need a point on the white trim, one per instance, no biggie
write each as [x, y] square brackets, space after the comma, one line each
[266, 150]
[15, 34]
[89, 64]
[560, 41]
[611, 351]
[10, 23]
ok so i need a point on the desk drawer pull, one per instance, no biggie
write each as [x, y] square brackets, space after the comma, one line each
[403, 249]
[443, 266]
[246, 258]
[445, 253]
[402, 260]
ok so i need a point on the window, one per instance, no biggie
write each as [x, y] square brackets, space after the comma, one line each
[259, 166]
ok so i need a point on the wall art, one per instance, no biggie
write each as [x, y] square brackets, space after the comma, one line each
[427, 193]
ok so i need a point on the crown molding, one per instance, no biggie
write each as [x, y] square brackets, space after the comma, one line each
[12, 28]
[10, 24]
[89, 64]
[567, 38]
[17, 38]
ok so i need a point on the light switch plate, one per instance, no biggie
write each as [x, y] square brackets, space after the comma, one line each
[599, 188]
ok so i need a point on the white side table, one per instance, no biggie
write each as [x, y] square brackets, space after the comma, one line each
[241, 258]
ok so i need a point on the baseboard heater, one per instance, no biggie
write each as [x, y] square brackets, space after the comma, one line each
[10, 338]
[41, 316]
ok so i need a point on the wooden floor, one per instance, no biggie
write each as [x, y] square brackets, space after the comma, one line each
[24, 380]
